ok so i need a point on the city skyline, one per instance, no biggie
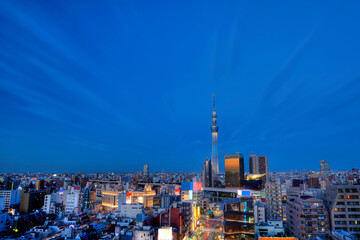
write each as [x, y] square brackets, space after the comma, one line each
[114, 88]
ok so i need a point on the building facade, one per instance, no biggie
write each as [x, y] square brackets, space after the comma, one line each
[31, 201]
[259, 165]
[110, 200]
[343, 204]
[324, 166]
[131, 210]
[239, 221]
[234, 170]
[273, 201]
[272, 228]
[72, 204]
[146, 170]
[207, 174]
[306, 215]
[9, 198]
[259, 211]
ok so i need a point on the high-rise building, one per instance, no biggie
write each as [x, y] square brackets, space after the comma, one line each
[55, 202]
[307, 216]
[324, 166]
[89, 197]
[31, 201]
[259, 165]
[214, 148]
[234, 170]
[73, 201]
[207, 174]
[49, 203]
[10, 198]
[343, 203]
[146, 170]
[273, 201]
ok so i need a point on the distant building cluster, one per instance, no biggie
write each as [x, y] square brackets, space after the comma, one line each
[237, 204]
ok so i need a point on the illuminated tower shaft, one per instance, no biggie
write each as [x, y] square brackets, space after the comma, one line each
[214, 149]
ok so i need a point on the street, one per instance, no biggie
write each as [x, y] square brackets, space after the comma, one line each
[209, 228]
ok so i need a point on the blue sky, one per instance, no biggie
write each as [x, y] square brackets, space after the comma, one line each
[109, 86]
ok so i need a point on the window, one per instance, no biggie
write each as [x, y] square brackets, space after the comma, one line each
[355, 229]
[354, 209]
[352, 190]
[352, 196]
[340, 222]
[339, 209]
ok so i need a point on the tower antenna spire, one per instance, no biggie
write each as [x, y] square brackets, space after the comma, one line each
[214, 100]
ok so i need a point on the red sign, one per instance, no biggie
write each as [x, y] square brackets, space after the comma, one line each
[197, 186]
[177, 190]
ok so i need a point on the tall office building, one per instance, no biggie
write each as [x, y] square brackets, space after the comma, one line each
[324, 166]
[146, 170]
[214, 148]
[234, 170]
[207, 174]
[259, 165]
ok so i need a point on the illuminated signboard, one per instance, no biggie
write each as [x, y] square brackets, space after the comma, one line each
[177, 190]
[197, 186]
[128, 198]
[190, 195]
[244, 193]
[186, 186]
[165, 233]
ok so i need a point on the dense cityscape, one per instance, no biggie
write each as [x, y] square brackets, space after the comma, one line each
[237, 204]
[179, 120]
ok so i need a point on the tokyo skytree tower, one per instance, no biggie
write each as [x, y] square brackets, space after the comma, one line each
[214, 148]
